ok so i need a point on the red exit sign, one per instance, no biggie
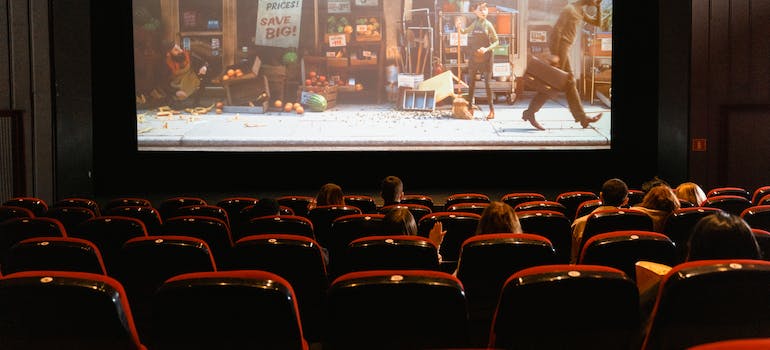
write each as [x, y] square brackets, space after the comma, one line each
[699, 145]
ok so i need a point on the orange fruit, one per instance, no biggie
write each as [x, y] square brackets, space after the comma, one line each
[288, 107]
[299, 109]
[231, 72]
[225, 77]
[278, 104]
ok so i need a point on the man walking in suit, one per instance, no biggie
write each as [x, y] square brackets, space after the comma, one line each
[562, 37]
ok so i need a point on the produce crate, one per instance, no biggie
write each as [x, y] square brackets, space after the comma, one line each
[246, 89]
[328, 92]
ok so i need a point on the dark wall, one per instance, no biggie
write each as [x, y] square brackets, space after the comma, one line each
[730, 92]
[120, 169]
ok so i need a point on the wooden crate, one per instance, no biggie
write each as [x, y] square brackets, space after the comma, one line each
[328, 92]
[240, 91]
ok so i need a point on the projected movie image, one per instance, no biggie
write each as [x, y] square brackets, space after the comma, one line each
[372, 75]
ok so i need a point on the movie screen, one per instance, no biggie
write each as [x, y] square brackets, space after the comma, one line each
[379, 75]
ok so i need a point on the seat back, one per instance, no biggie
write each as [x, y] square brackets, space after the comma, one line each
[367, 204]
[396, 309]
[215, 232]
[515, 198]
[572, 199]
[459, 226]
[757, 216]
[635, 197]
[148, 215]
[79, 202]
[758, 193]
[36, 205]
[244, 309]
[587, 207]
[735, 344]
[13, 231]
[12, 212]
[65, 310]
[70, 217]
[417, 210]
[297, 203]
[422, 199]
[53, 253]
[567, 307]
[167, 206]
[470, 197]
[543, 205]
[146, 262]
[710, 300]
[287, 224]
[322, 217]
[679, 226]
[394, 252]
[732, 204]
[125, 201]
[553, 225]
[210, 210]
[486, 261]
[109, 233]
[610, 220]
[299, 260]
[622, 249]
[233, 207]
[469, 207]
[345, 229]
[729, 190]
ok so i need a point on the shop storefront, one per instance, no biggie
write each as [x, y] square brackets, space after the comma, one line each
[265, 54]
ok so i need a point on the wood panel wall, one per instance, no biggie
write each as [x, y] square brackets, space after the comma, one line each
[729, 92]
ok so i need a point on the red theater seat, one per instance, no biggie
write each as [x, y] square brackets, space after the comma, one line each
[710, 300]
[54, 253]
[65, 310]
[396, 309]
[567, 307]
[244, 309]
[299, 260]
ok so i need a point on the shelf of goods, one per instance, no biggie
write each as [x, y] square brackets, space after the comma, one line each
[503, 80]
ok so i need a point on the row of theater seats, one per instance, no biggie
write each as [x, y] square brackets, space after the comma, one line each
[544, 307]
[479, 320]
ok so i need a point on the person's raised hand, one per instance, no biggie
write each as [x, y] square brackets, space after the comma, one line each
[437, 233]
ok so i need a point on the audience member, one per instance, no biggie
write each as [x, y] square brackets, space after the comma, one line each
[392, 190]
[655, 181]
[400, 221]
[722, 236]
[659, 202]
[498, 217]
[614, 195]
[329, 194]
[691, 193]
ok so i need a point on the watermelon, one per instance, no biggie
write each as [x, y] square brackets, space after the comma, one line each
[290, 57]
[316, 103]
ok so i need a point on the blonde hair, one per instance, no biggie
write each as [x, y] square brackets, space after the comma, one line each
[691, 192]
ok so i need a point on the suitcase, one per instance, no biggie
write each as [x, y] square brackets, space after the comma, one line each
[544, 77]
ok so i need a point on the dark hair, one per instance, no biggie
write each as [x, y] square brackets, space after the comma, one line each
[614, 192]
[391, 189]
[399, 221]
[722, 236]
[498, 217]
